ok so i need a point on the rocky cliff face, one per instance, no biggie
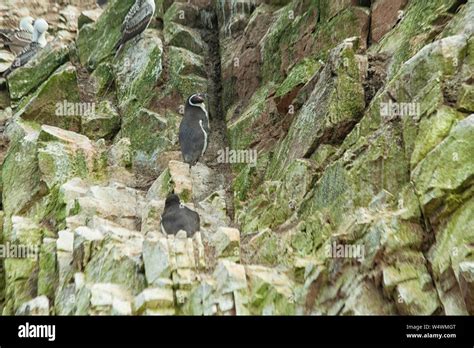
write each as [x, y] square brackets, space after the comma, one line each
[339, 178]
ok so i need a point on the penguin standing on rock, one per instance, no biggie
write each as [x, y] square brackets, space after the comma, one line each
[194, 129]
[135, 22]
[177, 217]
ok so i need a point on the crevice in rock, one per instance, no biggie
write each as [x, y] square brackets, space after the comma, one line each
[369, 30]
[454, 9]
[84, 84]
[429, 239]
[88, 92]
[376, 76]
[332, 136]
[365, 3]
[218, 139]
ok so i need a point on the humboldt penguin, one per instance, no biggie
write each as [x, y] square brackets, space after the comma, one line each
[194, 129]
[17, 39]
[135, 22]
[38, 43]
[177, 217]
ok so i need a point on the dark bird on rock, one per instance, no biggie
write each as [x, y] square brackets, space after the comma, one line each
[135, 22]
[177, 217]
[17, 39]
[194, 129]
[38, 43]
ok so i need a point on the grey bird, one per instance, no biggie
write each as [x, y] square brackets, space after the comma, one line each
[17, 39]
[135, 22]
[38, 43]
[177, 217]
[194, 129]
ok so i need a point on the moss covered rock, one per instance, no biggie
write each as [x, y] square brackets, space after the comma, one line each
[270, 292]
[276, 201]
[63, 155]
[96, 41]
[240, 131]
[185, 62]
[415, 30]
[103, 122]
[25, 80]
[150, 134]
[330, 9]
[20, 171]
[181, 36]
[20, 283]
[56, 102]
[137, 72]
[446, 171]
[432, 131]
[183, 13]
[104, 268]
[48, 272]
[102, 79]
[298, 76]
[335, 106]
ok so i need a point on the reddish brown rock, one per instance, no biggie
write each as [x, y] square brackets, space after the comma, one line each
[331, 8]
[385, 15]
[248, 73]
[363, 20]
[303, 47]
[244, 66]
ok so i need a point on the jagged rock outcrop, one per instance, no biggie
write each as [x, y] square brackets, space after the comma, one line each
[356, 147]
[345, 188]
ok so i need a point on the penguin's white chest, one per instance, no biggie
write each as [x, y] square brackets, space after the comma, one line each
[203, 107]
[162, 227]
[205, 138]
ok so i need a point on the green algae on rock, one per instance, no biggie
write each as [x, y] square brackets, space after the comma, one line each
[137, 72]
[96, 41]
[359, 201]
[54, 102]
[25, 80]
